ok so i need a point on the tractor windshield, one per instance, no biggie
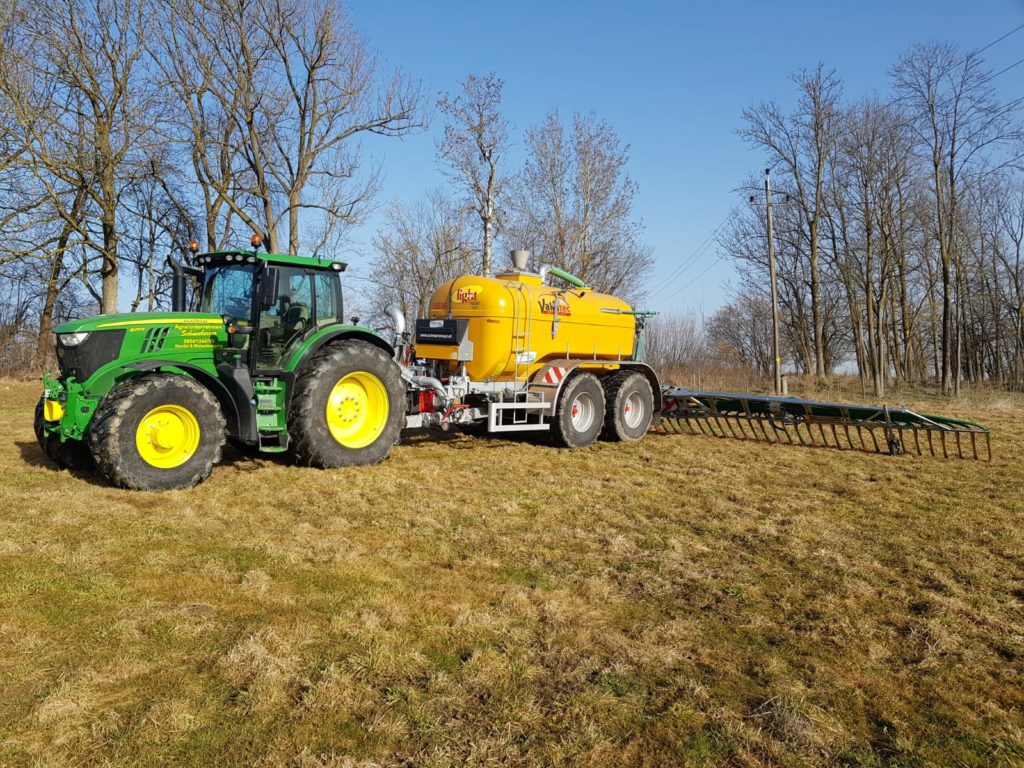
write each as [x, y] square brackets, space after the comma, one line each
[228, 291]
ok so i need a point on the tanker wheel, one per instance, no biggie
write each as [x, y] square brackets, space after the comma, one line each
[157, 433]
[71, 454]
[579, 414]
[630, 406]
[348, 407]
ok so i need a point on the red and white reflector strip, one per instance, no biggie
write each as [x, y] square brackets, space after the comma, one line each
[554, 375]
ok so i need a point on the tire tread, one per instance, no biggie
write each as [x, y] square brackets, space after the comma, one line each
[107, 430]
[311, 444]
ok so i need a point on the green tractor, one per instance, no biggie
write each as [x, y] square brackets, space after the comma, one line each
[265, 361]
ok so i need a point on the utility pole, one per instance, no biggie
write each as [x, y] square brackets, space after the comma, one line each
[776, 352]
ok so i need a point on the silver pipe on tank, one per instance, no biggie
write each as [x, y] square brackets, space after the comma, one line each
[397, 319]
[431, 383]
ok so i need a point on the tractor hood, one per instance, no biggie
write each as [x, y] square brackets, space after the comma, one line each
[127, 320]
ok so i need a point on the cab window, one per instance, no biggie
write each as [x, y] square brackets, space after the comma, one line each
[326, 311]
[228, 291]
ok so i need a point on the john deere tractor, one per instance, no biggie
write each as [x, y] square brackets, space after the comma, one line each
[265, 361]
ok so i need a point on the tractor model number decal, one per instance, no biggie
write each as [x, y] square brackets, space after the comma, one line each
[196, 340]
[468, 293]
[554, 306]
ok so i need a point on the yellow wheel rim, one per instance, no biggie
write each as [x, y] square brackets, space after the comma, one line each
[357, 409]
[167, 436]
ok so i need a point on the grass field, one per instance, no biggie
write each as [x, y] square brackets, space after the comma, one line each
[678, 601]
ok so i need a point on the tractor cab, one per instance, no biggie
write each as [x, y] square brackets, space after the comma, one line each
[270, 302]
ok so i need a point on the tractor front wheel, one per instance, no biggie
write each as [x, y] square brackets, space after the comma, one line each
[348, 408]
[157, 433]
[579, 414]
[71, 454]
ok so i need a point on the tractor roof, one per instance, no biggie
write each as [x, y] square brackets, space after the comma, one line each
[281, 259]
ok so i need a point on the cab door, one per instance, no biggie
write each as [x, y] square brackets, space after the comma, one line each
[283, 321]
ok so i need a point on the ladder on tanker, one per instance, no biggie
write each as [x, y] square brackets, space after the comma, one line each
[524, 403]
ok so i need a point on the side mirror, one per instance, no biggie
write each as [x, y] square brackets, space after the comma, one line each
[270, 281]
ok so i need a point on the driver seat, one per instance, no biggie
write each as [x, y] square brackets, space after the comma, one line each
[294, 320]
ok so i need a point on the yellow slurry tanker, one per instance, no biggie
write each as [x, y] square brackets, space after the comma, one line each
[529, 355]
[263, 357]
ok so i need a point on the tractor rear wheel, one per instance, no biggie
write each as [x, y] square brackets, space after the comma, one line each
[71, 454]
[348, 408]
[157, 433]
[579, 413]
[630, 406]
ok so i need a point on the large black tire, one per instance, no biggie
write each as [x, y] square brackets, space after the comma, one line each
[579, 413]
[71, 454]
[629, 406]
[312, 441]
[112, 434]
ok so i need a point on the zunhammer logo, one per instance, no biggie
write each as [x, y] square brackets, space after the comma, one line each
[468, 293]
[547, 307]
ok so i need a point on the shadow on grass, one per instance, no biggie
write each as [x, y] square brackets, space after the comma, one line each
[33, 455]
[471, 439]
[80, 464]
[243, 458]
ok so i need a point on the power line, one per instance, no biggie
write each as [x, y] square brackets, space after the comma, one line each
[686, 262]
[694, 280]
[692, 258]
[999, 39]
[666, 284]
[1005, 69]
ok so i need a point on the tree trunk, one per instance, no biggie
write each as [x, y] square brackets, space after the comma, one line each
[819, 334]
[44, 345]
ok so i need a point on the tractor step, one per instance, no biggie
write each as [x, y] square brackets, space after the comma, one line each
[271, 425]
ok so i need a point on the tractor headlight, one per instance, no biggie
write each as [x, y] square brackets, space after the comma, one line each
[72, 339]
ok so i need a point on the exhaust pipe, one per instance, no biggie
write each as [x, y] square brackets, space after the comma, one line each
[177, 285]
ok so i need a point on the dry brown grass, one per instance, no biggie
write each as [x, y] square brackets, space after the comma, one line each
[678, 601]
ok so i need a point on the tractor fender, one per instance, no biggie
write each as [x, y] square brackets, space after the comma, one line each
[550, 379]
[207, 379]
[308, 348]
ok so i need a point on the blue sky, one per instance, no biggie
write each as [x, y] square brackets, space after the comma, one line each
[671, 79]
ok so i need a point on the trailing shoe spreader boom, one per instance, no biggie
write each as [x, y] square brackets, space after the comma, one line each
[820, 424]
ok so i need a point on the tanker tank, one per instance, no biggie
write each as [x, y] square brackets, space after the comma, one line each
[517, 324]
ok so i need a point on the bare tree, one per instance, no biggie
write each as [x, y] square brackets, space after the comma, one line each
[420, 247]
[676, 340]
[475, 139]
[956, 121]
[83, 63]
[740, 332]
[274, 120]
[573, 204]
[159, 221]
[875, 168]
[803, 144]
